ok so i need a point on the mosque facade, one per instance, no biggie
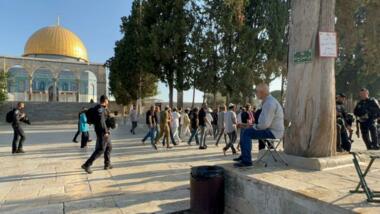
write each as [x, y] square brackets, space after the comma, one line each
[54, 68]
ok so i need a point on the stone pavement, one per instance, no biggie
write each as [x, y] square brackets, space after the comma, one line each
[48, 177]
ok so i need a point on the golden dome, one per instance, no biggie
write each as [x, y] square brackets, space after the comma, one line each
[56, 40]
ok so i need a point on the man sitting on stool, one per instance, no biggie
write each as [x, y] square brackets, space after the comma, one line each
[270, 125]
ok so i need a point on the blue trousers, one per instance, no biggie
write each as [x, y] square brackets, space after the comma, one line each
[194, 134]
[246, 143]
[151, 133]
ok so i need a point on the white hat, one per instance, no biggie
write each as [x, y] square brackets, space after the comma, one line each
[209, 110]
[231, 105]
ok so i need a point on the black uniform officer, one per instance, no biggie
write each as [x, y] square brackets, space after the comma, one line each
[103, 142]
[19, 135]
[367, 111]
[342, 121]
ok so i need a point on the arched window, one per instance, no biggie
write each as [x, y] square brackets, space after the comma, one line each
[42, 79]
[18, 80]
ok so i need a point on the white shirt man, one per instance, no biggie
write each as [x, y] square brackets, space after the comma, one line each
[270, 125]
[230, 122]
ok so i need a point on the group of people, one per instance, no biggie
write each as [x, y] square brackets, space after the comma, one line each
[367, 116]
[170, 126]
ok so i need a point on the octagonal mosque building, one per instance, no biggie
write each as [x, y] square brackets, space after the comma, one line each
[54, 68]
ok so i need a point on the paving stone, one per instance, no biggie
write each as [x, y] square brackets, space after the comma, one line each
[48, 177]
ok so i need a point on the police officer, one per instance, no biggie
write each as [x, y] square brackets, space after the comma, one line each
[342, 124]
[103, 142]
[368, 111]
[19, 135]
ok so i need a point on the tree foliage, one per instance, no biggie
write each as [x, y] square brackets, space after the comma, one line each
[216, 46]
[241, 44]
[3, 87]
[169, 24]
[358, 27]
[131, 77]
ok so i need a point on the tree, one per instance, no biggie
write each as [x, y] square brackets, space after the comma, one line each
[130, 74]
[3, 87]
[249, 39]
[310, 100]
[169, 24]
[359, 45]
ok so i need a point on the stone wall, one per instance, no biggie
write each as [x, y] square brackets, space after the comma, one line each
[246, 195]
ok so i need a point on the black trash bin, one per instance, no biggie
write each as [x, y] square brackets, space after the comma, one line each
[207, 190]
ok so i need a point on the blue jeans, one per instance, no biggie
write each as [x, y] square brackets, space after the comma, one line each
[246, 143]
[203, 130]
[194, 133]
[150, 134]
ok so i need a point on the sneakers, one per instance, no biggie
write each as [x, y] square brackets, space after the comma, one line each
[154, 146]
[237, 159]
[20, 151]
[107, 167]
[86, 169]
[75, 141]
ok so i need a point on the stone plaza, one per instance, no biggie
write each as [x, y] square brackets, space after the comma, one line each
[48, 178]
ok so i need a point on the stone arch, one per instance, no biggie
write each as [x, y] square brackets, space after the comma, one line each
[67, 86]
[18, 83]
[88, 86]
[42, 80]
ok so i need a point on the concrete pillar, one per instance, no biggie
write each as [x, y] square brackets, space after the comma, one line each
[78, 89]
[55, 90]
[30, 88]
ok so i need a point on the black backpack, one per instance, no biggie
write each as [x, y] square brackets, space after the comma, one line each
[9, 116]
[91, 115]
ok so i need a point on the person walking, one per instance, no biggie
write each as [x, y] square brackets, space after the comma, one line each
[83, 128]
[209, 120]
[171, 136]
[78, 128]
[194, 121]
[180, 112]
[175, 120]
[17, 116]
[164, 128]
[202, 126]
[103, 142]
[134, 118]
[230, 122]
[221, 129]
[151, 124]
[186, 123]
[214, 123]
[368, 111]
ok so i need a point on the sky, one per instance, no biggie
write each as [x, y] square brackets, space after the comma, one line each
[96, 22]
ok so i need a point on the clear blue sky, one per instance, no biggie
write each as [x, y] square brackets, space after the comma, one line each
[96, 22]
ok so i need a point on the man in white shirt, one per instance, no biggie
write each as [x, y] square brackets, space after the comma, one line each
[230, 122]
[270, 125]
[175, 124]
[134, 118]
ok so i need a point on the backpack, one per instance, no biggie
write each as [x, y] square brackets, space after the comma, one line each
[91, 115]
[9, 116]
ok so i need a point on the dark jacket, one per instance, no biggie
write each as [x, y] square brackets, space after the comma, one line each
[101, 117]
[367, 110]
[341, 111]
[18, 116]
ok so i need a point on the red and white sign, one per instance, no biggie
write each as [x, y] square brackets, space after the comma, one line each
[328, 46]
